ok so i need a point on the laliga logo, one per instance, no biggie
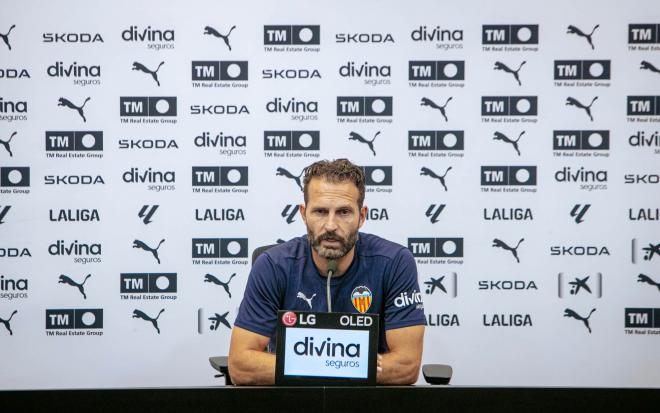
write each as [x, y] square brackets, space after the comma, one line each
[289, 318]
[404, 299]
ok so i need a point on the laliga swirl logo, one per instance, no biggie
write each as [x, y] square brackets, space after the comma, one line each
[289, 318]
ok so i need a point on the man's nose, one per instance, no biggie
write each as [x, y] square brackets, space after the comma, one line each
[331, 223]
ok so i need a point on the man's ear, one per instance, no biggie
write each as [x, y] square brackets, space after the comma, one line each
[363, 215]
[302, 213]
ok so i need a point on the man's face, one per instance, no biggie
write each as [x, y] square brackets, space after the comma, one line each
[332, 217]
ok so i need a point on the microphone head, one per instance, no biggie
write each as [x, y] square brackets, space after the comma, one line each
[332, 266]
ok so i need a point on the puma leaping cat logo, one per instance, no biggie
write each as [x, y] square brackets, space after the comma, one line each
[497, 243]
[284, 172]
[142, 315]
[642, 278]
[574, 30]
[502, 137]
[515, 73]
[427, 172]
[354, 136]
[429, 102]
[6, 322]
[67, 103]
[139, 244]
[210, 30]
[81, 287]
[570, 313]
[209, 278]
[6, 144]
[574, 102]
[644, 65]
[307, 300]
[5, 37]
[142, 68]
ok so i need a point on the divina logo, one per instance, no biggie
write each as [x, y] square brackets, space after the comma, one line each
[5, 36]
[364, 38]
[640, 139]
[73, 180]
[589, 180]
[373, 75]
[74, 144]
[83, 75]
[13, 288]
[406, 299]
[444, 39]
[327, 348]
[219, 110]
[300, 110]
[156, 180]
[72, 38]
[219, 214]
[83, 253]
[220, 140]
[290, 74]
[508, 214]
[12, 73]
[156, 39]
[11, 111]
[74, 215]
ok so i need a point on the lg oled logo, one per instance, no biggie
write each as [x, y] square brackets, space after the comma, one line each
[74, 144]
[215, 179]
[509, 106]
[219, 71]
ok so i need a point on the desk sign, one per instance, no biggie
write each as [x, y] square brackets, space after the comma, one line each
[326, 348]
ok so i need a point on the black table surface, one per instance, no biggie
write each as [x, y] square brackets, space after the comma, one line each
[400, 399]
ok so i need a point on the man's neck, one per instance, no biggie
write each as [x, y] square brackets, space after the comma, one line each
[342, 263]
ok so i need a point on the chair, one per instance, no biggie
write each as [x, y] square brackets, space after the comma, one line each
[434, 374]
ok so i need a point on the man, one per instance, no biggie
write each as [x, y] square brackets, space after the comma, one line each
[291, 276]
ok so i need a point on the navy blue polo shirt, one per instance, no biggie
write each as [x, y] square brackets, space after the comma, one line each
[381, 279]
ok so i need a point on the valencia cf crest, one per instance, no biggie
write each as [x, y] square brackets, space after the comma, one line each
[361, 298]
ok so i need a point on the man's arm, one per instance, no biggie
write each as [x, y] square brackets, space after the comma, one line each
[401, 364]
[249, 364]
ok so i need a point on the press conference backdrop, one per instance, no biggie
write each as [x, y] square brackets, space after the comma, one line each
[148, 147]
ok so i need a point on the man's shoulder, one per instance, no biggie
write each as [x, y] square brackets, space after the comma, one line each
[295, 248]
[373, 245]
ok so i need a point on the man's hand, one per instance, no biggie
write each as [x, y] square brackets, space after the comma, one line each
[248, 363]
[401, 364]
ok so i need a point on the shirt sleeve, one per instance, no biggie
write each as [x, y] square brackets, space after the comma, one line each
[403, 302]
[261, 300]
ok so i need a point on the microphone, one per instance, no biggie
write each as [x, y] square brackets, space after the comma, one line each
[332, 268]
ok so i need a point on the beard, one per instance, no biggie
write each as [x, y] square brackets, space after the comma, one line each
[345, 244]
